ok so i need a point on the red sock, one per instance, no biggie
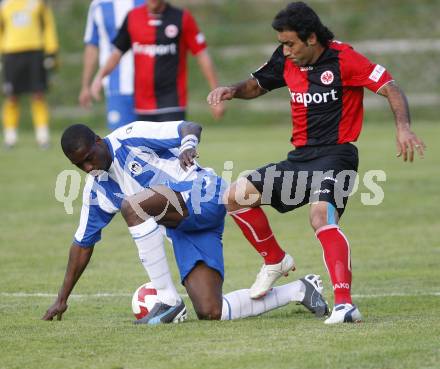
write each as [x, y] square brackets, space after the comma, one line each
[255, 227]
[336, 252]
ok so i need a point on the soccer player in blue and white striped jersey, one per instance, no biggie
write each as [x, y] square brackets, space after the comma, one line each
[104, 19]
[147, 171]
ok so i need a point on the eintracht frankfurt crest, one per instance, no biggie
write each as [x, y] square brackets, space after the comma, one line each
[327, 77]
[171, 31]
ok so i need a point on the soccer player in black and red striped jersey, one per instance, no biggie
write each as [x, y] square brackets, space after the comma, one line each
[160, 37]
[326, 79]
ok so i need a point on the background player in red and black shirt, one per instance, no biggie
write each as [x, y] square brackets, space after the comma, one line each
[326, 79]
[160, 36]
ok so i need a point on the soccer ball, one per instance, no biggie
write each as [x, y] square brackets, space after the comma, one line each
[143, 300]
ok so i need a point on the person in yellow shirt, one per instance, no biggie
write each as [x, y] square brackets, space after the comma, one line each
[28, 44]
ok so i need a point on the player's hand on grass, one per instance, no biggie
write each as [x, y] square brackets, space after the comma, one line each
[220, 94]
[96, 88]
[57, 309]
[218, 110]
[85, 98]
[407, 142]
[187, 158]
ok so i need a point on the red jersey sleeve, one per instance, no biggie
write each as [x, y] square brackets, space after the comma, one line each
[193, 38]
[358, 71]
[122, 41]
[271, 74]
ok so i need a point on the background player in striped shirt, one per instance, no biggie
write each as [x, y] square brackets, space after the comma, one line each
[147, 171]
[160, 36]
[325, 79]
[103, 22]
[28, 44]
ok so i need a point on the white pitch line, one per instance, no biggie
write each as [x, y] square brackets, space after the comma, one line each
[75, 296]
[105, 294]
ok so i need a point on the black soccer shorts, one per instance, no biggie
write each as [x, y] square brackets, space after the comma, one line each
[24, 72]
[309, 174]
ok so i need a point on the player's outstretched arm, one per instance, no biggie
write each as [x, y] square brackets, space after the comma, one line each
[248, 89]
[406, 139]
[78, 259]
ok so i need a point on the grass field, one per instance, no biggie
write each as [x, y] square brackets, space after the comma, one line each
[395, 252]
[395, 246]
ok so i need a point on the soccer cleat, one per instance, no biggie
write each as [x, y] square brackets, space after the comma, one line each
[162, 314]
[313, 299]
[344, 313]
[268, 275]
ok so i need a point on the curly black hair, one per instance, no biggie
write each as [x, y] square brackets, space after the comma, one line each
[302, 19]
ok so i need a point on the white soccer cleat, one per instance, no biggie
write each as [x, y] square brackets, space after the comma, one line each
[344, 313]
[269, 274]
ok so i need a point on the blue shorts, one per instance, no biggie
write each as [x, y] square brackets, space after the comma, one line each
[120, 111]
[199, 236]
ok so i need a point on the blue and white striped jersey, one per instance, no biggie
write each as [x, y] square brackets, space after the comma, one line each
[144, 154]
[104, 19]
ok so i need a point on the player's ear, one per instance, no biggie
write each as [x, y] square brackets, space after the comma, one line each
[312, 40]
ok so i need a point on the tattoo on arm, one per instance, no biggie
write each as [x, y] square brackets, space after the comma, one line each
[398, 103]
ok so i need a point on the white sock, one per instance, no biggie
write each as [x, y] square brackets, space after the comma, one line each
[149, 241]
[42, 135]
[238, 304]
[10, 136]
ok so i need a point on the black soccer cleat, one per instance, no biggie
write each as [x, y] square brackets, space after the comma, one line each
[162, 313]
[313, 300]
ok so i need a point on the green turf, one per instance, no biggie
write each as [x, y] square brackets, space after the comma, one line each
[395, 250]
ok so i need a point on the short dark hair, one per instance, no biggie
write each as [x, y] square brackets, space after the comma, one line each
[302, 19]
[75, 137]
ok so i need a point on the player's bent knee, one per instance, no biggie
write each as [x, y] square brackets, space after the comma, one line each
[229, 199]
[204, 287]
[125, 208]
[317, 223]
[209, 312]
[318, 218]
[241, 194]
[129, 213]
[322, 214]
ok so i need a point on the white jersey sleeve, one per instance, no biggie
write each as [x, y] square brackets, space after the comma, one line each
[91, 34]
[97, 211]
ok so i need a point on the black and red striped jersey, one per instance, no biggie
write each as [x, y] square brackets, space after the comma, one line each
[327, 97]
[160, 45]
